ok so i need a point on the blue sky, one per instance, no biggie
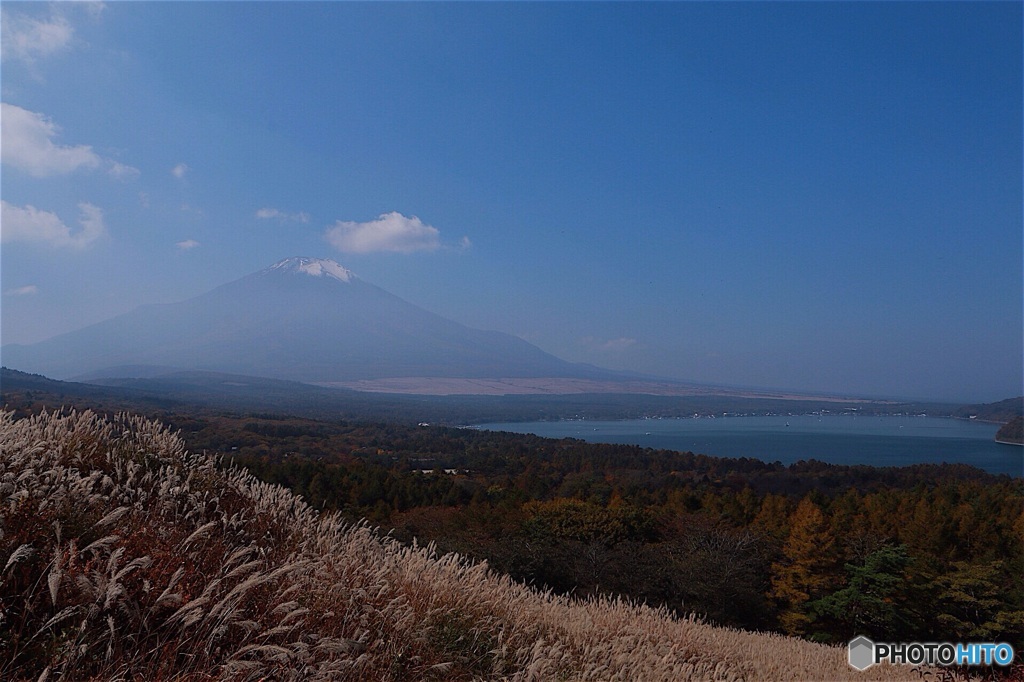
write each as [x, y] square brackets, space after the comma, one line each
[815, 196]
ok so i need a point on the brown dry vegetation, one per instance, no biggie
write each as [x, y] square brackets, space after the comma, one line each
[125, 557]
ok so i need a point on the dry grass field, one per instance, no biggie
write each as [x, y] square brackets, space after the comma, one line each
[124, 557]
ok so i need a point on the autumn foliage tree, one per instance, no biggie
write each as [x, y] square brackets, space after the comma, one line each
[804, 572]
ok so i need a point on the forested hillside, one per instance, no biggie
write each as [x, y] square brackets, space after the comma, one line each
[126, 557]
[1012, 431]
[801, 549]
[1000, 412]
[814, 550]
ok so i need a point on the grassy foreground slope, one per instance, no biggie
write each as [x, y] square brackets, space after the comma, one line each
[125, 557]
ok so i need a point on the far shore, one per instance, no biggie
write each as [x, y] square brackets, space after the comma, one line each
[442, 386]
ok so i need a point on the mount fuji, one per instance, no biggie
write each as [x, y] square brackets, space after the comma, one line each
[302, 319]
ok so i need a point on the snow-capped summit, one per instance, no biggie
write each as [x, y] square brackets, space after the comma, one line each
[317, 267]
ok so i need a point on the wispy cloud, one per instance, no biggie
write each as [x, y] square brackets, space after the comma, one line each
[275, 214]
[609, 345]
[26, 142]
[95, 9]
[389, 232]
[187, 245]
[180, 170]
[122, 172]
[620, 344]
[29, 224]
[28, 39]
[27, 290]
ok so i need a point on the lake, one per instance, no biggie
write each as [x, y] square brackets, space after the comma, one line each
[838, 439]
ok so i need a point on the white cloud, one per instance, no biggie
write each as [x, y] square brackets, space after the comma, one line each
[29, 224]
[179, 170]
[187, 244]
[26, 142]
[465, 244]
[122, 172]
[610, 345]
[389, 232]
[95, 9]
[23, 291]
[273, 213]
[25, 38]
[618, 344]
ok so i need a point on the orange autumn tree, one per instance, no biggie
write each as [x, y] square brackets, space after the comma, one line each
[806, 570]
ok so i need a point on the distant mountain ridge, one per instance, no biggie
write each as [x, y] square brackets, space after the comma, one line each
[301, 319]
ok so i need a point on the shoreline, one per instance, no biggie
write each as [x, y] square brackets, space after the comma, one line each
[842, 439]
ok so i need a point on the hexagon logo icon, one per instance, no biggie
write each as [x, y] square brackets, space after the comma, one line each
[861, 653]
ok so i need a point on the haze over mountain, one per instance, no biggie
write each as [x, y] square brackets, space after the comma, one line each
[304, 319]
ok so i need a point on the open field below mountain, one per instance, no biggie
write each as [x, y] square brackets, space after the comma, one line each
[565, 386]
[248, 393]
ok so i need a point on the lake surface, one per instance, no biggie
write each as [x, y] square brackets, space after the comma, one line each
[838, 439]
